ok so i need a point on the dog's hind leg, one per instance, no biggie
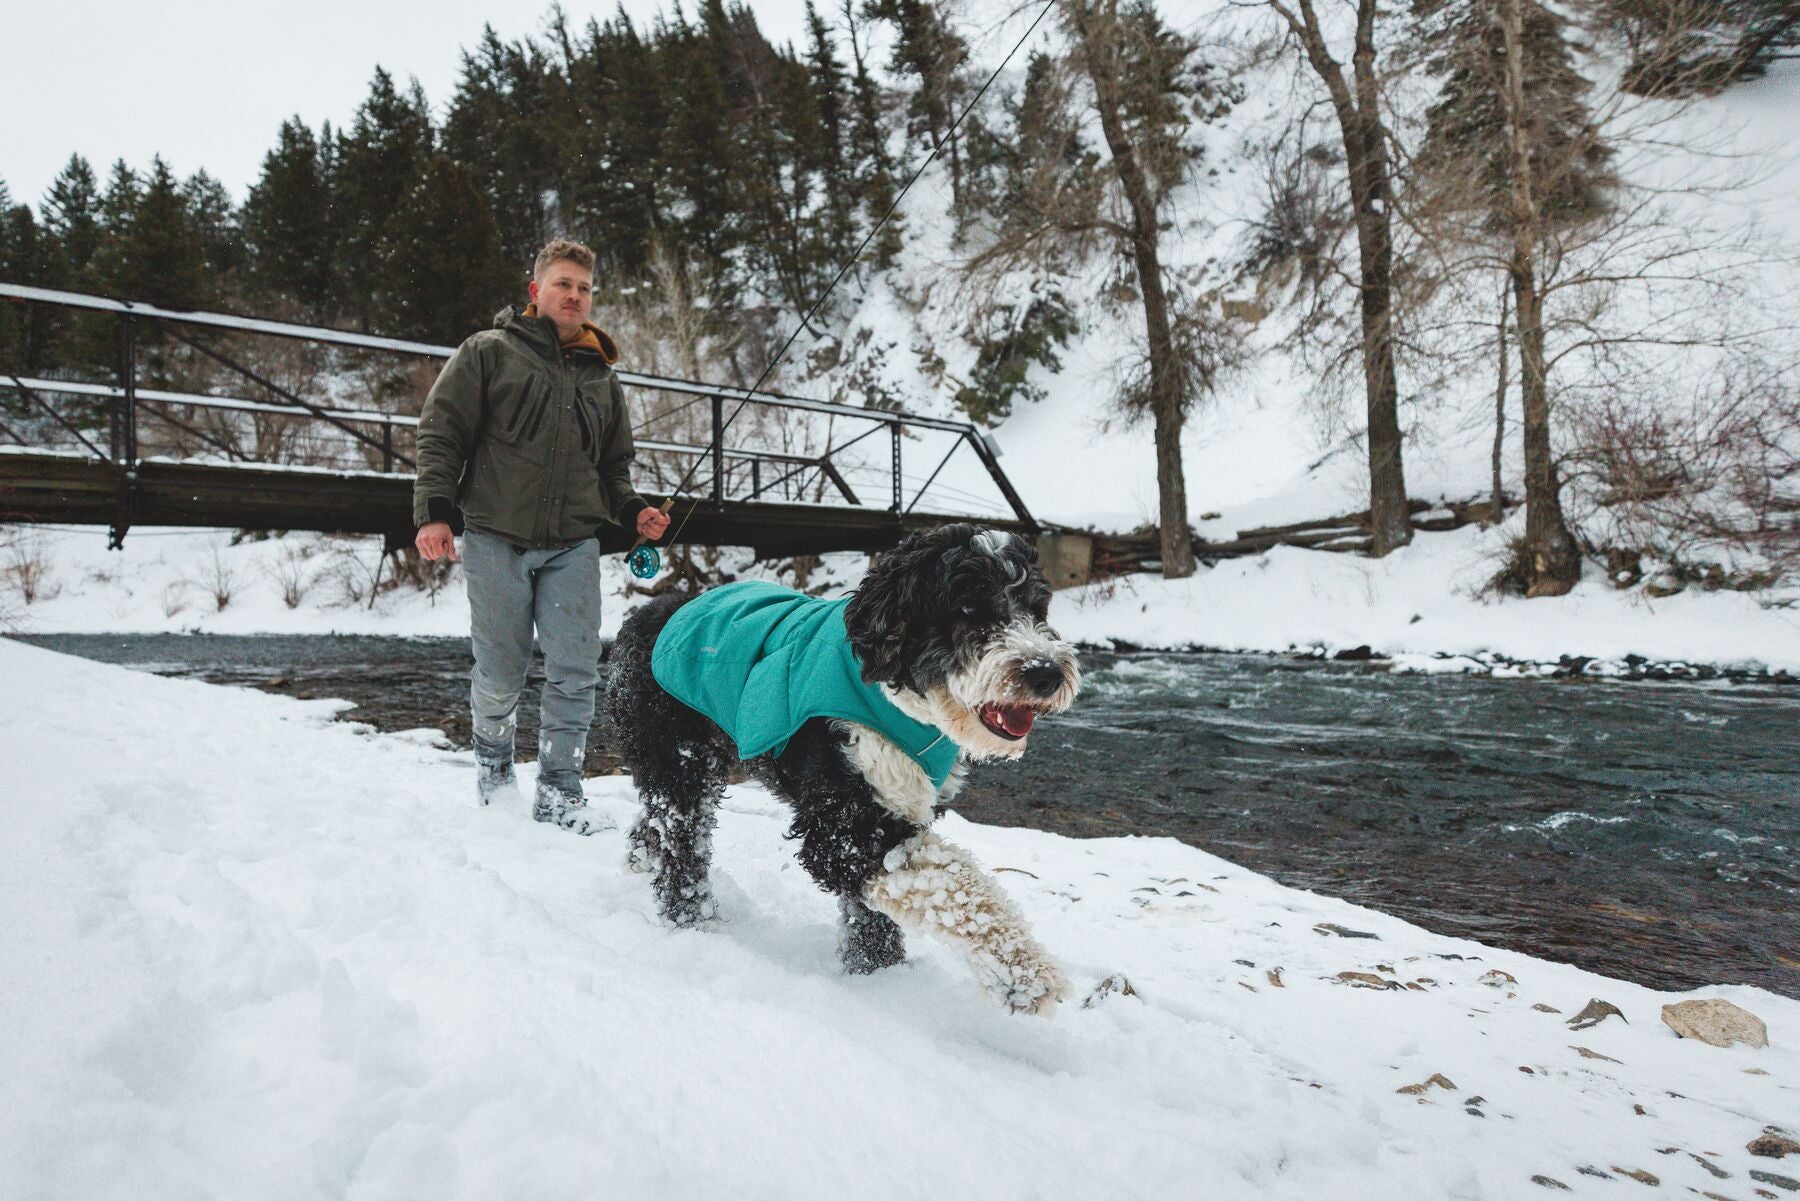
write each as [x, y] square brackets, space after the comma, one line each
[679, 761]
[672, 841]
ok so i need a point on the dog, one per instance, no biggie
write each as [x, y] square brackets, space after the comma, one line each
[947, 643]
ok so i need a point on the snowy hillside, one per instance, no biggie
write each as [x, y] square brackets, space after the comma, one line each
[252, 952]
[1276, 444]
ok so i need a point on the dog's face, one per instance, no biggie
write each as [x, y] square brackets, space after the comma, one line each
[953, 622]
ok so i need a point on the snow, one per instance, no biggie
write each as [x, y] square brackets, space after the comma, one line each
[1416, 605]
[1422, 601]
[253, 951]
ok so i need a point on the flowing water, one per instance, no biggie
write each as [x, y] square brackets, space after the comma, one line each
[1650, 831]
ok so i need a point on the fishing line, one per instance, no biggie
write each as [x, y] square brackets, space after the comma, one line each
[644, 560]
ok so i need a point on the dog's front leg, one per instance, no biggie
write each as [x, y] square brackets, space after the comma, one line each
[935, 886]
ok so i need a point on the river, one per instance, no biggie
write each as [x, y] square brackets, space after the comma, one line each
[1643, 830]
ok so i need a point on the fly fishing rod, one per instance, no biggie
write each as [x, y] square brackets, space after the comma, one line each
[643, 559]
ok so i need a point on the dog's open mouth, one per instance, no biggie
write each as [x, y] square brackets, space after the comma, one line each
[1011, 722]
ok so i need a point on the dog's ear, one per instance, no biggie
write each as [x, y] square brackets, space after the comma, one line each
[876, 617]
[896, 592]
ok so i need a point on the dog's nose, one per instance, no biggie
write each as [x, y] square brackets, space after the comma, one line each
[1043, 678]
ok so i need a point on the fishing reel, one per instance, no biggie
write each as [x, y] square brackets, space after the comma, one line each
[644, 560]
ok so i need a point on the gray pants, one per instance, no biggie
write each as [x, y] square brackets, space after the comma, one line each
[510, 591]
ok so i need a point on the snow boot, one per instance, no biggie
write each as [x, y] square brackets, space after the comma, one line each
[494, 778]
[559, 801]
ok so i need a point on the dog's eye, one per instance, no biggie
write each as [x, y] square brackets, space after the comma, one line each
[976, 612]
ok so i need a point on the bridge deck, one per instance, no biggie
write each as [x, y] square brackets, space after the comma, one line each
[88, 491]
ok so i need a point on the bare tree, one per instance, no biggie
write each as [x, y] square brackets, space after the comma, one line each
[1638, 321]
[1552, 560]
[1100, 37]
[1356, 99]
[1146, 87]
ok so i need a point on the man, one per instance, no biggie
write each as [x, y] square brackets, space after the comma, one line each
[526, 432]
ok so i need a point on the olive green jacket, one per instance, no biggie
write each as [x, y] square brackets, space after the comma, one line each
[530, 439]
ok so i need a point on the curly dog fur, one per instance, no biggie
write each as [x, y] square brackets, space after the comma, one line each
[951, 626]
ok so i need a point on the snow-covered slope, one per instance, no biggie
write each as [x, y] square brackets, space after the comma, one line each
[1275, 443]
[253, 952]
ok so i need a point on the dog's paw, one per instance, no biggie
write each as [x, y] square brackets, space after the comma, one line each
[1030, 984]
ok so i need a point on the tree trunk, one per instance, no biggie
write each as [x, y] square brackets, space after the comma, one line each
[1500, 406]
[1389, 518]
[1365, 155]
[1551, 560]
[1098, 31]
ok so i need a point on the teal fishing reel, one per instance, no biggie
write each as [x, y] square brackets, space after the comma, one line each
[644, 562]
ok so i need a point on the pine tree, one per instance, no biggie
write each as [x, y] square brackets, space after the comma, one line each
[832, 103]
[72, 213]
[502, 129]
[928, 50]
[159, 257]
[25, 257]
[118, 204]
[1467, 152]
[216, 223]
[1049, 175]
[1511, 143]
[287, 225]
[379, 163]
[615, 170]
[446, 275]
[873, 168]
[701, 154]
[72, 216]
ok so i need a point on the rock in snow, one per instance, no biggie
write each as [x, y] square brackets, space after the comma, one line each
[1593, 1013]
[1715, 1021]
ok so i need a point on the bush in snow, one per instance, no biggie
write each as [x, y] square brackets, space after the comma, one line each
[27, 567]
[220, 580]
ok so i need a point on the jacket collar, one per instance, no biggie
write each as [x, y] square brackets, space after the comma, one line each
[541, 333]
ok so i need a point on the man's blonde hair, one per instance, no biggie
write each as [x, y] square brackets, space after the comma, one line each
[558, 250]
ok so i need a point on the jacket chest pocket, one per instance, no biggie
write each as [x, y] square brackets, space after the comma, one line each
[525, 423]
[588, 423]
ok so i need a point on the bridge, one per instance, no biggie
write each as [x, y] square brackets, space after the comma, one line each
[118, 454]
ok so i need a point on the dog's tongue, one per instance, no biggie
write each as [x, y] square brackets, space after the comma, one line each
[1015, 719]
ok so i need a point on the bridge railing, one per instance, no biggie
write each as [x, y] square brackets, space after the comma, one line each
[845, 468]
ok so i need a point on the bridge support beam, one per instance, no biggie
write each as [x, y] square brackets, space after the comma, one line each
[1067, 559]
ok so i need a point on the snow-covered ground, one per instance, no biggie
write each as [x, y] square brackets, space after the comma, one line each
[250, 951]
[1418, 606]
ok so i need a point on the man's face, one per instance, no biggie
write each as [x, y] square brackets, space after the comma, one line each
[565, 294]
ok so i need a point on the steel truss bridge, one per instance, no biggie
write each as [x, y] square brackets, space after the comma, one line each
[115, 453]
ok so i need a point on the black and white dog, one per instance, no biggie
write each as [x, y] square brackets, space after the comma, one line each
[950, 626]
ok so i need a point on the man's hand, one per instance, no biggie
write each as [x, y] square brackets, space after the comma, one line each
[652, 523]
[435, 541]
